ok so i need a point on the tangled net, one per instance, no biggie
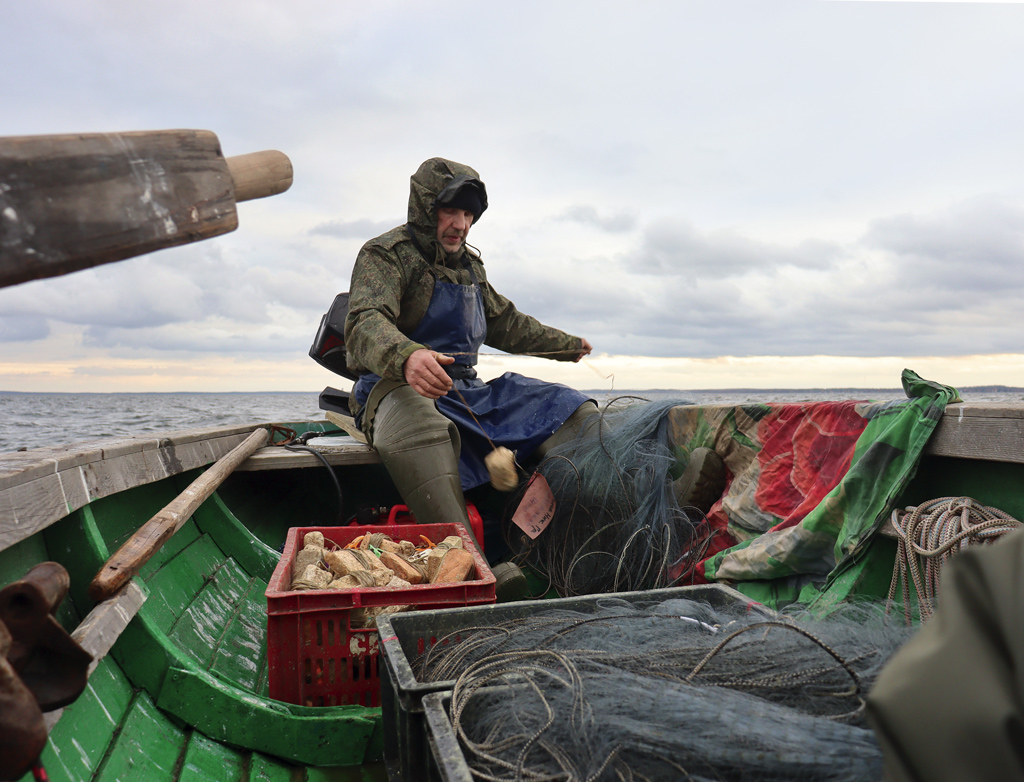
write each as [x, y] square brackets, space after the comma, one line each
[617, 526]
[676, 690]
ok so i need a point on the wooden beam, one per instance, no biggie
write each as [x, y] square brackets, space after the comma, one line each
[347, 424]
[990, 432]
[278, 458]
[70, 202]
[101, 628]
[52, 483]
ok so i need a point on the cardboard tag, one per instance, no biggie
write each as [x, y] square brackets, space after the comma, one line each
[537, 507]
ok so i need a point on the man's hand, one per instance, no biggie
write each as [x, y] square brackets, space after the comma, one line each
[424, 373]
[585, 348]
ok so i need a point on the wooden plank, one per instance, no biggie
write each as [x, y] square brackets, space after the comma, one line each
[265, 769]
[68, 202]
[246, 630]
[103, 625]
[189, 450]
[962, 410]
[206, 760]
[78, 742]
[148, 744]
[279, 458]
[101, 628]
[23, 467]
[175, 582]
[347, 424]
[183, 436]
[29, 506]
[994, 437]
[205, 625]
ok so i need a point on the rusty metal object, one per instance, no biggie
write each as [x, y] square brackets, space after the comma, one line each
[22, 730]
[53, 666]
[41, 667]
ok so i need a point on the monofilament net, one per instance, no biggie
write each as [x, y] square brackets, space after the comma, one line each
[617, 526]
[676, 690]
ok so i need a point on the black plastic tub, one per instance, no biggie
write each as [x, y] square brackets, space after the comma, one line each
[404, 637]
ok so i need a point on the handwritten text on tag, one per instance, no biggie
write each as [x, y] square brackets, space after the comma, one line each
[537, 507]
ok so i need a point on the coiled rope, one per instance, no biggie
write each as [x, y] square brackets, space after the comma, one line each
[929, 535]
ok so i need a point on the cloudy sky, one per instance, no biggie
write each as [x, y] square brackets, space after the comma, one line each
[717, 194]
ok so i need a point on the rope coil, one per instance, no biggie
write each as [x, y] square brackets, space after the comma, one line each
[929, 535]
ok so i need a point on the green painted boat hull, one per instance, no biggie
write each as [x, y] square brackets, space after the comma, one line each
[183, 694]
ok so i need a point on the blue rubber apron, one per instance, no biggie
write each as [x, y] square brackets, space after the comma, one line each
[515, 411]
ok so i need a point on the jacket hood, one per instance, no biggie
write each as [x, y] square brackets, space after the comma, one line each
[425, 185]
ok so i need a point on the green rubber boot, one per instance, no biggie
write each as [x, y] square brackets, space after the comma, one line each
[510, 584]
[420, 448]
[568, 431]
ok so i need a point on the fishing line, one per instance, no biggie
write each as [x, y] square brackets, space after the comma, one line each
[598, 372]
[583, 360]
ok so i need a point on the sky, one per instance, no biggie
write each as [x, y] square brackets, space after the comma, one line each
[716, 194]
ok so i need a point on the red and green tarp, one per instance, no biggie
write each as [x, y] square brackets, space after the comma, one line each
[809, 483]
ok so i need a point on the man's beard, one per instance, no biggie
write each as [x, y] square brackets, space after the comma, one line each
[453, 253]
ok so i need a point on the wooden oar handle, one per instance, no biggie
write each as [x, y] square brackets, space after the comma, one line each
[260, 174]
[74, 201]
[141, 546]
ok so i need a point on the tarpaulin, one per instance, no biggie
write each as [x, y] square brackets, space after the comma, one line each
[809, 483]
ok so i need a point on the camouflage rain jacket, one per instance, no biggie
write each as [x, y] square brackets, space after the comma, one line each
[392, 284]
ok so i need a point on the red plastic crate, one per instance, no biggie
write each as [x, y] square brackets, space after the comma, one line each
[400, 514]
[314, 656]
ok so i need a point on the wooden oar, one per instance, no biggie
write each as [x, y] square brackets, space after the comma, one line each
[69, 202]
[141, 546]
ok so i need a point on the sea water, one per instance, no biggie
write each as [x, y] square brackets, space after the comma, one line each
[34, 420]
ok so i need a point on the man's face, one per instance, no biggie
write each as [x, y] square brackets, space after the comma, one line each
[452, 227]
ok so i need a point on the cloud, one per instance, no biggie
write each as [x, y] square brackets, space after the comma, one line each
[352, 229]
[971, 248]
[941, 283]
[702, 179]
[23, 329]
[618, 222]
[676, 248]
[210, 283]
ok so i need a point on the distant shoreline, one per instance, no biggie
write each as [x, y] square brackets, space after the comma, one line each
[603, 391]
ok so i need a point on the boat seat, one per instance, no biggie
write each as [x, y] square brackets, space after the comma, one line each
[351, 448]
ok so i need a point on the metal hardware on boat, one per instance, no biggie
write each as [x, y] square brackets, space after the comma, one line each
[42, 668]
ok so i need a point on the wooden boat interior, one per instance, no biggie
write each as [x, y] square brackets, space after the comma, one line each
[195, 617]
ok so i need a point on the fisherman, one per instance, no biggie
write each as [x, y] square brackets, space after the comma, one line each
[420, 307]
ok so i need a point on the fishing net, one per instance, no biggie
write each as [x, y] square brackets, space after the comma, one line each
[617, 526]
[677, 690]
